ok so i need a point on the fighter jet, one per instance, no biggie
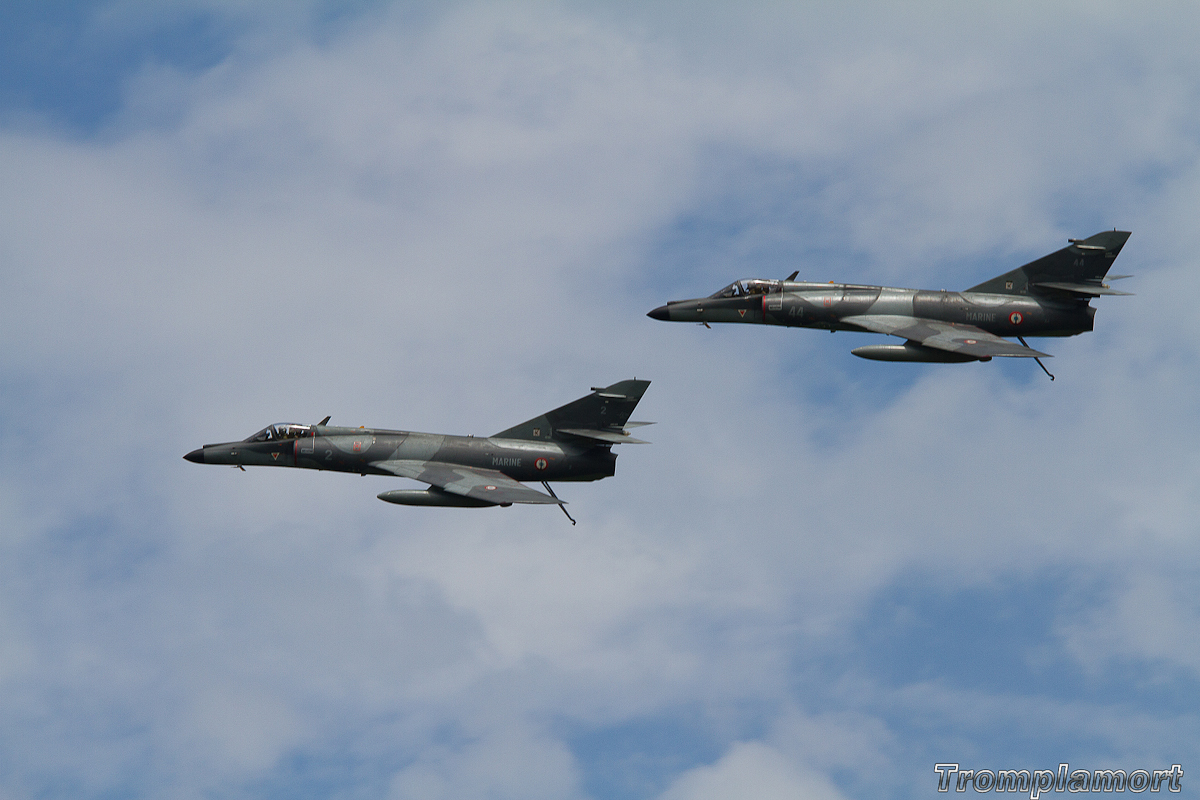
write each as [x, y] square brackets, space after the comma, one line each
[1047, 297]
[571, 443]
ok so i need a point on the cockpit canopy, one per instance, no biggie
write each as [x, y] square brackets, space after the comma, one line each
[749, 286]
[281, 430]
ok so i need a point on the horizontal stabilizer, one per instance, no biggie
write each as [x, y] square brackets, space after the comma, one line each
[1086, 289]
[610, 437]
[632, 424]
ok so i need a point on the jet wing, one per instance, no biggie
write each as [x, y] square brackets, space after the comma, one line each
[481, 484]
[948, 336]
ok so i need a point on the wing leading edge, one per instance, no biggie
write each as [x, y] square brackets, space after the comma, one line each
[966, 340]
[487, 485]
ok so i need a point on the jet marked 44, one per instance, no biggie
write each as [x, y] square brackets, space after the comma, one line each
[1047, 297]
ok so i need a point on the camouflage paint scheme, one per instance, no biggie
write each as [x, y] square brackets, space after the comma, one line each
[571, 443]
[1047, 297]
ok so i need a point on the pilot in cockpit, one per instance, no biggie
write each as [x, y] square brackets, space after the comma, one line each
[280, 430]
[744, 288]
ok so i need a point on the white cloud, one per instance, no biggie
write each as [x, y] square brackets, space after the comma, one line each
[512, 763]
[750, 769]
[247, 730]
[1144, 616]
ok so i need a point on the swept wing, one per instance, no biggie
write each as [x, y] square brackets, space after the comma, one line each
[488, 485]
[949, 336]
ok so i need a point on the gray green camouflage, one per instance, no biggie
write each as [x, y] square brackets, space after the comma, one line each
[571, 443]
[1047, 297]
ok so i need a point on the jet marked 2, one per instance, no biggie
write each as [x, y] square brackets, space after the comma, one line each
[571, 443]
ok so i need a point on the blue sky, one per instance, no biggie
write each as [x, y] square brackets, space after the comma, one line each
[825, 575]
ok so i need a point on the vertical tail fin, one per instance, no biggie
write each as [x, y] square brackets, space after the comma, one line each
[604, 411]
[1083, 263]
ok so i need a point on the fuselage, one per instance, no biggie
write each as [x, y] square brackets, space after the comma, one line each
[356, 449]
[826, 305]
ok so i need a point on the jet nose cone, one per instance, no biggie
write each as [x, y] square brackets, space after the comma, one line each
[196, 456]
[660, 313]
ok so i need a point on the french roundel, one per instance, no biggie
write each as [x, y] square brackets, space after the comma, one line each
[1016, 317]
[540, 463]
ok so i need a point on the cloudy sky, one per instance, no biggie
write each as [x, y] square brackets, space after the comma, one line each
[823, 577]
